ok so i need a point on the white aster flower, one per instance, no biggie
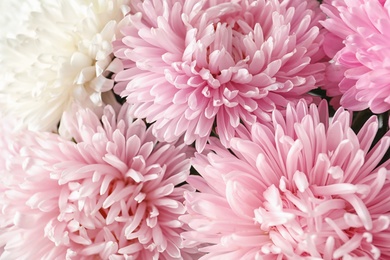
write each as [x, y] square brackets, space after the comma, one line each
[62, 55]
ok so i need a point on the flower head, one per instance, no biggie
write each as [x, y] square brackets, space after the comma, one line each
[113, 194]
[359, 43]
[304, 188]
[63, 56]
[190, 65]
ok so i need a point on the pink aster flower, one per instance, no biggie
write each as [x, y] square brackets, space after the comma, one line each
[302, 189]
[111, 194]
[359, 43]
[193, 64]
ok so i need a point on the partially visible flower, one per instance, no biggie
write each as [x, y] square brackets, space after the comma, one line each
[62, 56]
[359, 43]
[302, 189]
[111, 194]
[190, 65]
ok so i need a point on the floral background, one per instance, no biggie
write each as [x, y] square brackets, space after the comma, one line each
[183, 129]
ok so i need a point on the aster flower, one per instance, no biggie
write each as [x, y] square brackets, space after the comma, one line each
[111, 195]
[192, 64]
[62, 56]
[301, 189]
[358, 42]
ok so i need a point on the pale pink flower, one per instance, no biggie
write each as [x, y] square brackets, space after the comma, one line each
[358, 41]
[302, 189]
[193, 64]
[111, 194]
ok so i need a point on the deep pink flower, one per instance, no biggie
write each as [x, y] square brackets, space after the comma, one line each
[359, 43]
[111, 194]
[302, 189]
[193, 64]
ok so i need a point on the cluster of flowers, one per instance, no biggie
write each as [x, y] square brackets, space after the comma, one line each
[195, 129]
